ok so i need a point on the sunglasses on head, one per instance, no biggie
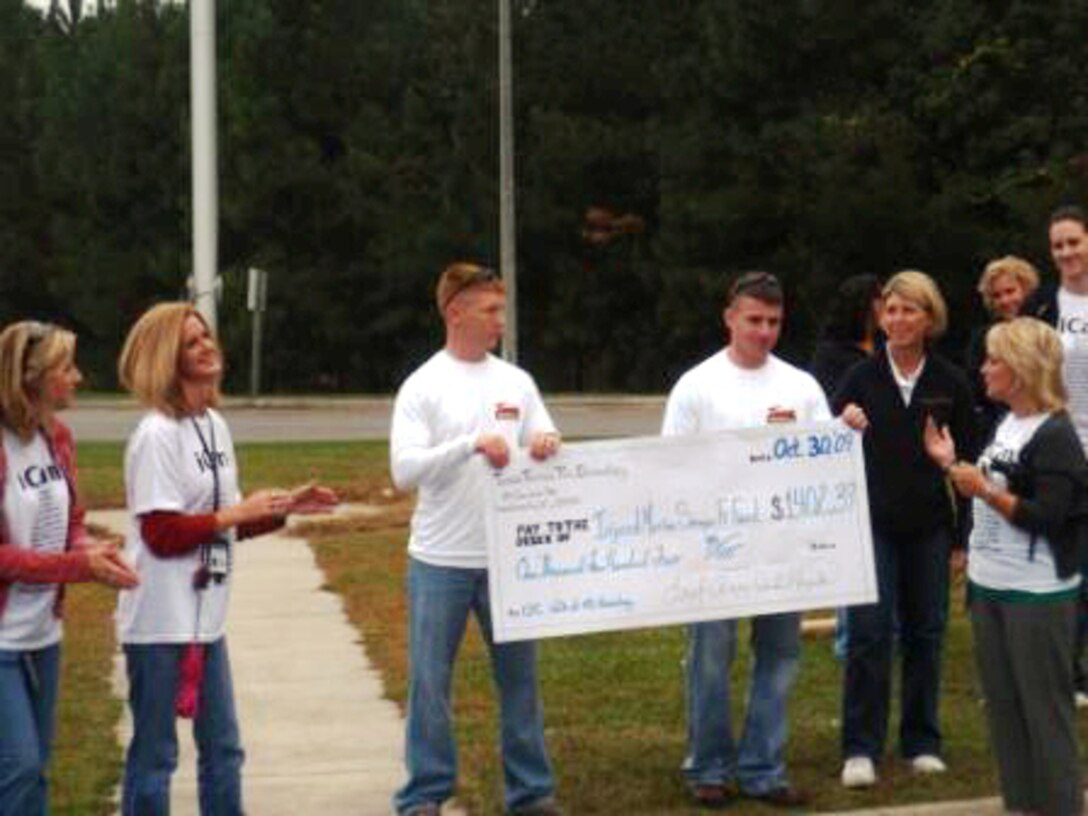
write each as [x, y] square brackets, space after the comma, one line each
[483, 274]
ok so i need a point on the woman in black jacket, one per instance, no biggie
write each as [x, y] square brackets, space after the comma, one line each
[915, 526]
[1030, 506]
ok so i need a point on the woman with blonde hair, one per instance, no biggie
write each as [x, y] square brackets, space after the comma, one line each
[1004, 286]
[43, 545]
[181, 485]
[1030, 511]
[915, 527]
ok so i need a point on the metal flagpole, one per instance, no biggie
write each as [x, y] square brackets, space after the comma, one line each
[507, 237]
[205, 164]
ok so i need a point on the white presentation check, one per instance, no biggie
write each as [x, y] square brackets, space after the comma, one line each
[649, 531]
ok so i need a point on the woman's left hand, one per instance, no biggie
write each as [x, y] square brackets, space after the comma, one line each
[939, 444]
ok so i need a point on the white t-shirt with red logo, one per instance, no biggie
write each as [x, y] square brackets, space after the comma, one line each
[168, 467]
[719, 395]
[440, 410]
[37, 502]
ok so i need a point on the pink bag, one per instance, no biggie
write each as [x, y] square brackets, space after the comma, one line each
[187, 700]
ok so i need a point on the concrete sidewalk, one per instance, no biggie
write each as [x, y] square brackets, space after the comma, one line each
[319, 736]
[973, 807]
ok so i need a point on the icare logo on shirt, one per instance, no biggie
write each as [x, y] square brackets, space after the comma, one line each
[204, 460]
[1073, 325]
[37, 476]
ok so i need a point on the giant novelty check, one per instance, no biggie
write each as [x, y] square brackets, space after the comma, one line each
[650, 531]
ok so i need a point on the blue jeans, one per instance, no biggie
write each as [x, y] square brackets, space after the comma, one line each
[842, 633]
[439, 600]
[153, 753]
[912, 578]
[28, 703]
[759, 763]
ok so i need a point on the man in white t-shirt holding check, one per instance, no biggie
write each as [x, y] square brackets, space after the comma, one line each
[461, 405]
[744, 385]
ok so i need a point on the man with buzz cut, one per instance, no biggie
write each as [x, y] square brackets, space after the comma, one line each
[742, 386]
[465, 404]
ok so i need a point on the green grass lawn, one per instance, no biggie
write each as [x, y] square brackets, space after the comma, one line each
[615, 709]
[614, 702]
[86, 757]
[352, 468]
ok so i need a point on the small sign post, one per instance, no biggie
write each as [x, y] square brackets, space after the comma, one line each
[256, 302]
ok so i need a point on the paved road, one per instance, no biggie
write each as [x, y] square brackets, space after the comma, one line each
[310, 419]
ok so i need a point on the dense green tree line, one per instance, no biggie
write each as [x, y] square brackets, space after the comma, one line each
[660, 146]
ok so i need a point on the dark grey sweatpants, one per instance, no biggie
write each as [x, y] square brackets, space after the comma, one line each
[1025, 660]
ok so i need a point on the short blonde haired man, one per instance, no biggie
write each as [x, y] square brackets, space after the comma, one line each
[460, 406]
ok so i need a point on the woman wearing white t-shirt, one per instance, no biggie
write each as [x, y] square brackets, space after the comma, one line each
[181, 485]
[1029, 504]
[43, 545]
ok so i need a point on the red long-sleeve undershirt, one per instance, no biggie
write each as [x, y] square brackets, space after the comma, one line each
[170, 534]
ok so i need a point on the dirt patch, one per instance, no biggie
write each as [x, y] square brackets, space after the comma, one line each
[365, 518]
[376, 491]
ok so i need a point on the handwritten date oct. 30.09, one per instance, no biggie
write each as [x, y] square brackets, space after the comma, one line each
[812, 445]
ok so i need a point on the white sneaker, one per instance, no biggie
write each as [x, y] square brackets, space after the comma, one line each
[928, 764]
[1081, 699]
[858, 772]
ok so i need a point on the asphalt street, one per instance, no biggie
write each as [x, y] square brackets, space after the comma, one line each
[287, 419]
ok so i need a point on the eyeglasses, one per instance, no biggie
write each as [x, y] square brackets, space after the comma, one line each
[482, 274]
[36, 332]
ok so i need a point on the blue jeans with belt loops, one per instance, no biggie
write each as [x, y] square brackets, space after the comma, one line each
[28, 702]
[152, 754]
[440, 600]
[757, 763]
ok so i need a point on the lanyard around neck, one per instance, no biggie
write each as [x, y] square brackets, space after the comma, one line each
[210, 456]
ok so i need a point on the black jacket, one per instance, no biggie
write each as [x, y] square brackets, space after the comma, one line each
[908, 494]
[987, 412]
[830, 362]
[1051, 483]
[1043, 304]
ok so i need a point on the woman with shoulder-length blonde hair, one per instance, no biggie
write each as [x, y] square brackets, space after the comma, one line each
[915, 528]
[181, 486]
[43, 545]
[1030, 507]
